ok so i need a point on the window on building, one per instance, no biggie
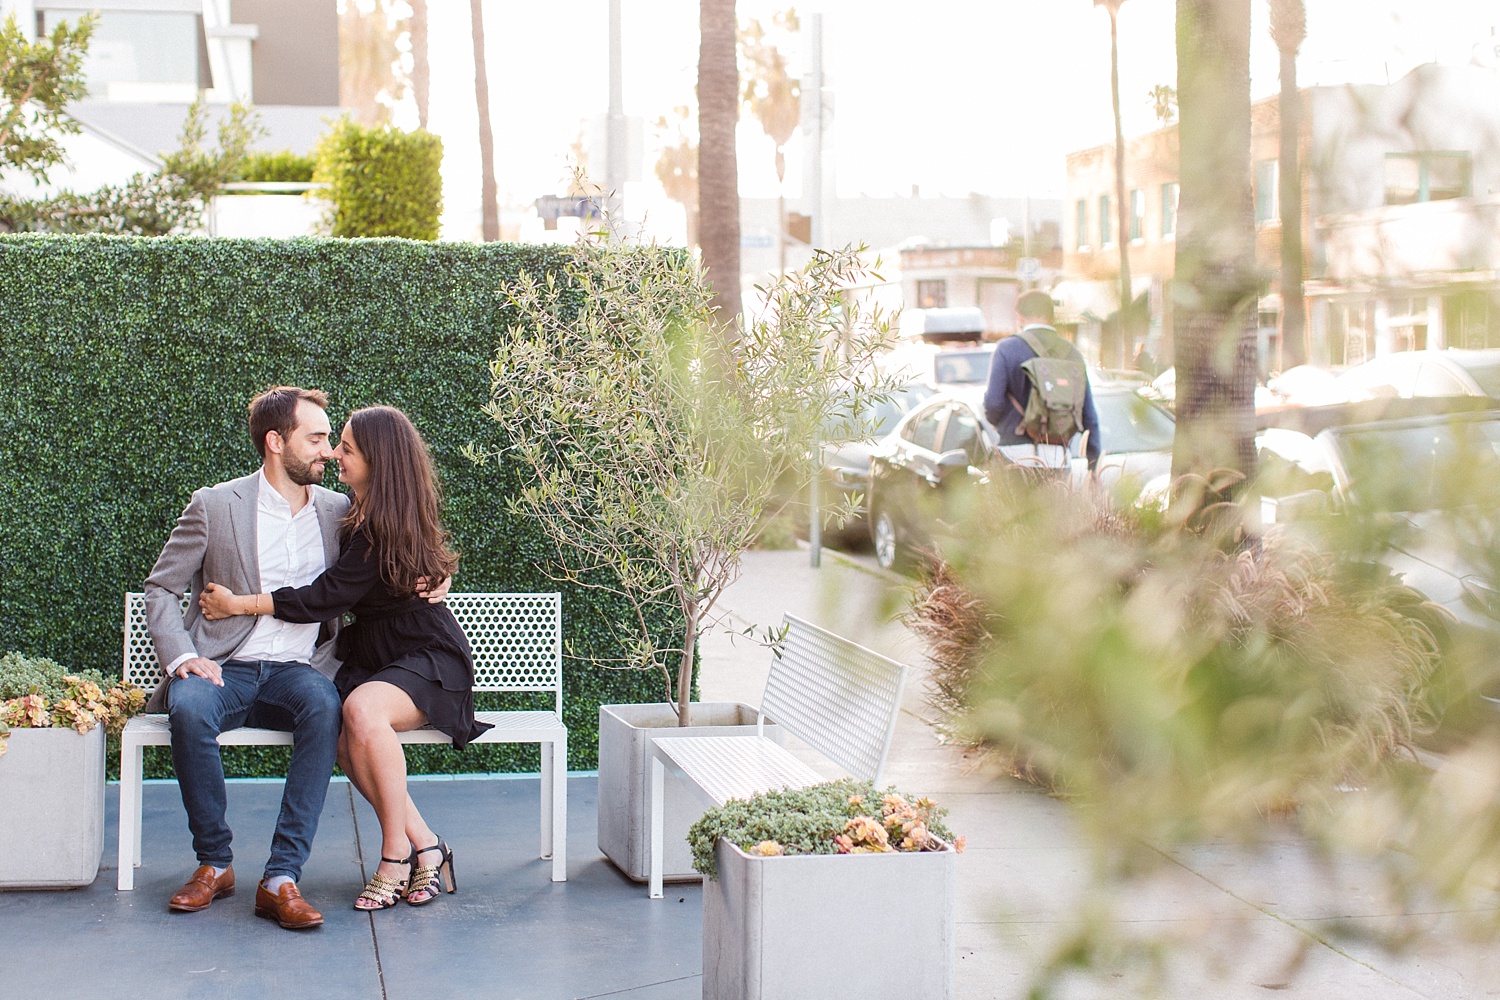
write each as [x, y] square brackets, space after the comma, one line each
[1266, 208]
[1169, 209]
[932, 294]
[1417, 177]
[1105, 238]
[1137, 214]
[1351, 331]
[1081, 223]
[137, 55]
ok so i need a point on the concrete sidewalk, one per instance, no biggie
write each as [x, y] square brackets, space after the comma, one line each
[1247, 923]
[1242, 923]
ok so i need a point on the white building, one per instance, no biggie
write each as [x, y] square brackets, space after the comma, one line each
[148, 60]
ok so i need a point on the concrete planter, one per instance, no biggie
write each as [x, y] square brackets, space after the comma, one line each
[810, 927]
[625, 735]
[51, 808]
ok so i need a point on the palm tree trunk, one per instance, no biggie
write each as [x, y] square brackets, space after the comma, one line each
[1120, 338]
[718, 174]
[1215, 290]
[491, 207]
[421, 75]
[1293, 307]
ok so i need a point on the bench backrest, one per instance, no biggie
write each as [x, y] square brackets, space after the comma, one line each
[836, 696]
[517, 641]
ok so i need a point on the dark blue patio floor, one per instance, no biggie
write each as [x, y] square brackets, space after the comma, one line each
[509, 932]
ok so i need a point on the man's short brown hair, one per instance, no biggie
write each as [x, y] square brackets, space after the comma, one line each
[275, 409]
[1036, 304]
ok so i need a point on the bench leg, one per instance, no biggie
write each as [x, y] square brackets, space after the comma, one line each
[129, 854]
[656, 783]
[559, 802]
[547, 765]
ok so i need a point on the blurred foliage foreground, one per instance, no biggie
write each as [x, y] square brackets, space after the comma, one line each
[1181, 675]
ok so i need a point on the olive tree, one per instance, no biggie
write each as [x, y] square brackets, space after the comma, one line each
[656, 452]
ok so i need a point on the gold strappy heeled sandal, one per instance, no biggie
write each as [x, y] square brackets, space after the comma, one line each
[382, 891]
[424, 878]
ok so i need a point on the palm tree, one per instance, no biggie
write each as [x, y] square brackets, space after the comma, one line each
[1215, 290]
[491, 208]
[677, 166]
[367, 62]
[1288, 31]
[774, 97]
[718, 174]
[421, 75]
[1114, 353]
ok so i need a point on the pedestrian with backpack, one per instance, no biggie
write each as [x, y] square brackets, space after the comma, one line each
[1038, 397]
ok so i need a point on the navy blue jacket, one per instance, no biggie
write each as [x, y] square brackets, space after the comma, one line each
[1008, 381]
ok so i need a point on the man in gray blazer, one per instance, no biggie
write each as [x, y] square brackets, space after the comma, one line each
[274, 528]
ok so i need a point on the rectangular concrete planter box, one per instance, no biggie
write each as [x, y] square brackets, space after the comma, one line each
[51, 808]
[625, 735]
[810, 927]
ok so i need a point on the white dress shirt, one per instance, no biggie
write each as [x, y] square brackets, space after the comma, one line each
[291, 555]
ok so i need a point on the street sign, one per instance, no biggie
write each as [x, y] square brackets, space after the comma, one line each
[1027, 268]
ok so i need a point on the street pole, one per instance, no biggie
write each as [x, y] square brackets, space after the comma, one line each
[812, 126]
[614, 127]
[812, 184]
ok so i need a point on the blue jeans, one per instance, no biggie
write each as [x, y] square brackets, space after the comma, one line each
[292, 697]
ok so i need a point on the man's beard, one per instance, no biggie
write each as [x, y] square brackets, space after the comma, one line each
[300, 472]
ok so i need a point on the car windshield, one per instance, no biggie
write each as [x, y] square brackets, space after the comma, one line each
[1487, 375]
[962, 367]
[1430, 466]
[1130, 423]
[879, 419]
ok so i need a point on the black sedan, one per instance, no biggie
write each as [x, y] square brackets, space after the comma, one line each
[846, 467]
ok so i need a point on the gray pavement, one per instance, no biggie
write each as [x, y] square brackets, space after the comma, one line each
[1241, 923]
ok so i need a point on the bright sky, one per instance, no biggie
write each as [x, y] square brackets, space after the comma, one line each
[925, 94]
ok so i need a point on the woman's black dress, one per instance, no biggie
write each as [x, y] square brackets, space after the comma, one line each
[397, 638]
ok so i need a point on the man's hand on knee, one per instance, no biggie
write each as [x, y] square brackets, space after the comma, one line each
[203, 667]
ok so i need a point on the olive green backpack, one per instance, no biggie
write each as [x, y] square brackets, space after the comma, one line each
[1057, 381]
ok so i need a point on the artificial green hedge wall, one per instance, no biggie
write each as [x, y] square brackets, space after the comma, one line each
[126, 365]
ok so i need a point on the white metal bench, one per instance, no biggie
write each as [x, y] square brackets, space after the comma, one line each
[517, 643]
[838, 697]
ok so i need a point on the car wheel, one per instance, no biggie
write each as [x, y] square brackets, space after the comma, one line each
[887, 544]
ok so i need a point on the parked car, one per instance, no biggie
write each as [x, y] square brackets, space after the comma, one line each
[1163, 389]
[920, 472]
[1417, 463]
[1409, 374]
[941, 366]
[846, 467]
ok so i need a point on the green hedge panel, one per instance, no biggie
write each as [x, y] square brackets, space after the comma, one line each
[127, 364]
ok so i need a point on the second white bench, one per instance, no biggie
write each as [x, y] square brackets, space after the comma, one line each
[839, 698]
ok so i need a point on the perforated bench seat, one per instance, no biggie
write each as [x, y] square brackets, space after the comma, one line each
[834, 695]
[517, 643]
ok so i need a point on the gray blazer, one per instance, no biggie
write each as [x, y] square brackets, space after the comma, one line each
[215, 540]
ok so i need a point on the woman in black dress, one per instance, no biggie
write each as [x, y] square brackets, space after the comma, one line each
[406, 662]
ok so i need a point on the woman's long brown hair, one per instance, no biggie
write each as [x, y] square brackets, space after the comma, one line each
[399, 506]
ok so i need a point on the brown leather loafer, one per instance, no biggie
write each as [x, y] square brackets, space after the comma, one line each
[286, 907]
[203, 889]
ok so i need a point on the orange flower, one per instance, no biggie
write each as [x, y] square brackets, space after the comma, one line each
[768, 849]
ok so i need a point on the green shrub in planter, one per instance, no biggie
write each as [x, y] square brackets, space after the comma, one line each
[285, 166]
[38, 693]
[837, 817]
[382, 181]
